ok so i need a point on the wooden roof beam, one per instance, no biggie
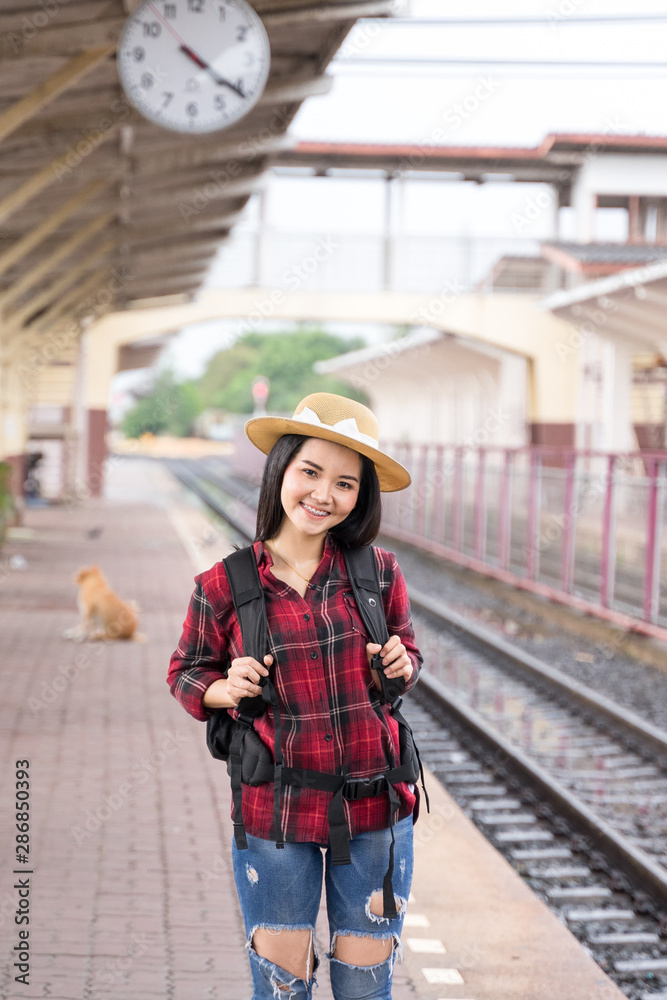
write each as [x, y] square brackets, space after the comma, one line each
[168, 289]
[29, 338]
[54, 171]
[327, 12]
[19, 317]
[75, 300]
[50, 88]
[66, 39]
[195, 177]
[60, 254]
[32, 239]
[216, 226]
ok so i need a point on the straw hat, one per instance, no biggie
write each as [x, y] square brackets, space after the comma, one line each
[333, 418]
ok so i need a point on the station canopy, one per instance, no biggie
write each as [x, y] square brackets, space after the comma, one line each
[93, 197]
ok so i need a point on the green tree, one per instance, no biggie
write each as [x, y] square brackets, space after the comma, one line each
[286, 358]
[168, 408]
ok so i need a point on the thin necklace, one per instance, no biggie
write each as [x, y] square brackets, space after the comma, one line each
[273, 546]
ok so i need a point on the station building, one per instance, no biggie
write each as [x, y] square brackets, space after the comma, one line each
[108, 239]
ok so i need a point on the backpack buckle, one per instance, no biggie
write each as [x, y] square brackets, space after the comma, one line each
[362, 788]
[246, 720]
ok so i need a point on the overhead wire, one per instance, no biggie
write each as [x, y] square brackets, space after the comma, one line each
[483, 61]
[552, 19]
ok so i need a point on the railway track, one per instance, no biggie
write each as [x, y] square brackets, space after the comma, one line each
[569, 786]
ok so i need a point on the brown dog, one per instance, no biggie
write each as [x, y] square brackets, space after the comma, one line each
[103, 614]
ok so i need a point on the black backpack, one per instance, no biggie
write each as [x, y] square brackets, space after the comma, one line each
[249, 760]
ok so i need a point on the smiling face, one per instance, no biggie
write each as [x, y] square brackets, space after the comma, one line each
[320, 486]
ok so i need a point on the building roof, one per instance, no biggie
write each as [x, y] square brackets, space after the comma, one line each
[416, 338]
[623, 254]
[629, 306]
[555, 160]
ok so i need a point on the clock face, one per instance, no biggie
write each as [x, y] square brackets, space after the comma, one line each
[193, 65]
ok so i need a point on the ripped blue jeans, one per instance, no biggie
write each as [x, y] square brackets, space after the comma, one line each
[280, 889]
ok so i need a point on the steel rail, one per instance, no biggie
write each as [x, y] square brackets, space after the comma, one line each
[532, 667]
[642, 867]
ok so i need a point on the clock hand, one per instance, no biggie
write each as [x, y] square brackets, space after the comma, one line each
[196, 58]
[209, 69]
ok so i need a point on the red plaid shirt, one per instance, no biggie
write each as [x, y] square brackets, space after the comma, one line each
[329, 707]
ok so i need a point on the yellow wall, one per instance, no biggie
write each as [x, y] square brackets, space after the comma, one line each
[508, 321]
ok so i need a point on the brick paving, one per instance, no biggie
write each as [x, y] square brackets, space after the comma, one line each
[132, 896]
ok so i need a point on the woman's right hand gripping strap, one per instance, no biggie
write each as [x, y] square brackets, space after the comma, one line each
[248, 597]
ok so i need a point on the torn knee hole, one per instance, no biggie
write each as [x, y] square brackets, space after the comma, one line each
[292, 949]
[362, 949]
[375, 906]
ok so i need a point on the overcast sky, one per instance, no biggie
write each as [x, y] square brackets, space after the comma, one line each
[414, 101]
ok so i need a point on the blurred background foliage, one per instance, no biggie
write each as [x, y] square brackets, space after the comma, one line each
[287, 359]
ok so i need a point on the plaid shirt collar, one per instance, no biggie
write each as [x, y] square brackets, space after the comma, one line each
[330, 562]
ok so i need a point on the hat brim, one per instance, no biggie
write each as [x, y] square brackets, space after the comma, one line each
[265, 431]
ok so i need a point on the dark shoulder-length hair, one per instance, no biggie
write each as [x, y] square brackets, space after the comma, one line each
[360, 527]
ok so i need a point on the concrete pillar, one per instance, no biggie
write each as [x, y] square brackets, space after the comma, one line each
[617, 430]
[13, 420]
[512, 411]
[388, 242]
[96, 450]
[100, 364]
[262, 248]
[584, 203]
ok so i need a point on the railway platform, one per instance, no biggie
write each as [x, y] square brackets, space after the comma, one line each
[131, 895]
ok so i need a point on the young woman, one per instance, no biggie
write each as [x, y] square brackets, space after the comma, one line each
[320, 493]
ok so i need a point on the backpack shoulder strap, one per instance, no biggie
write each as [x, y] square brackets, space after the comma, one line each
[362, 570]
[363, 573]
[248, 597]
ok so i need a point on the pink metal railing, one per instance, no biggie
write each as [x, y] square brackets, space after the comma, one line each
[576, 526]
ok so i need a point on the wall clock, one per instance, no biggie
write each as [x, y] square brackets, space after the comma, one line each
[193, 65]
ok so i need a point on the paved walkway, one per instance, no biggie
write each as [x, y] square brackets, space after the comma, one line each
[131, 895]
[130, 890]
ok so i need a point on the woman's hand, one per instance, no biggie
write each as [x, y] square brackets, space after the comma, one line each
[243, 677]
[395, 660]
